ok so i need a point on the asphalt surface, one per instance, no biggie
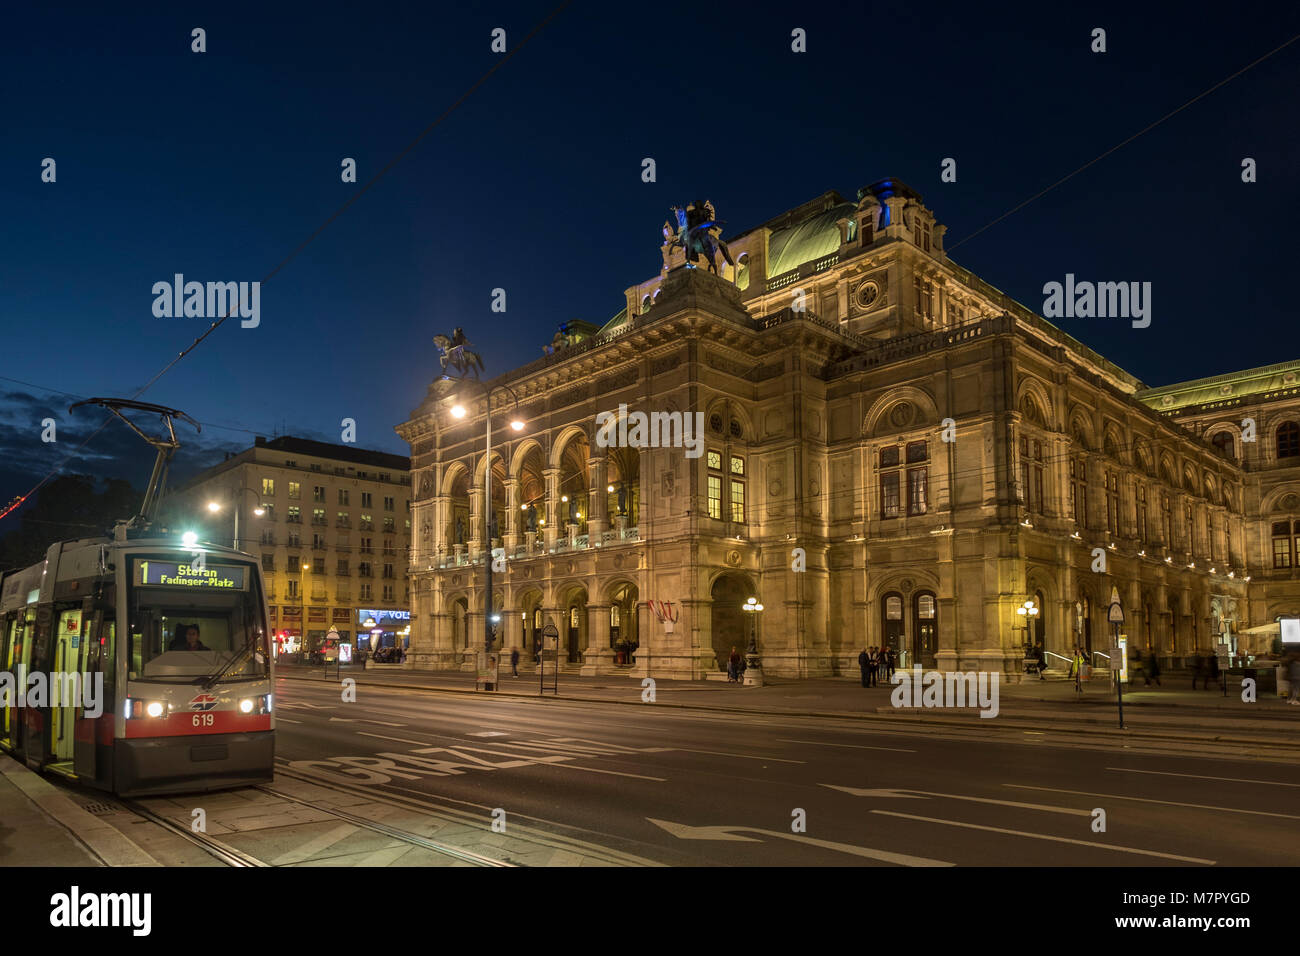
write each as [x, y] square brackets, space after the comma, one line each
[652, 784]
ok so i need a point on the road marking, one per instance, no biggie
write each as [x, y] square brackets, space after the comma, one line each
[306, 851]
[859, 792]
[279, 719]
[818, 743]
[1166, 773]
[686, 832]
[489, 733]
[1167, 803]
[364, 720]
[400, 740]
[719, 753]
[922, 794]
[615, 773]
[1044, 836]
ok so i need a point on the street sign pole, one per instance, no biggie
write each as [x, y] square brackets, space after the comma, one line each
[1117, 663]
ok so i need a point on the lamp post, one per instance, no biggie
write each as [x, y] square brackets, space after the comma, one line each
[302, 612]
[1027, 612]
[458, 411]
[215, 506]
[753, 666]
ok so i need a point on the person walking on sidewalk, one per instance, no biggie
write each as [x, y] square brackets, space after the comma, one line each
[891, 658]
[1293, 675]
[864, 663]
[733, 665]
[1041, 658]
[514, 662]
[1152, 669]
[874, 661]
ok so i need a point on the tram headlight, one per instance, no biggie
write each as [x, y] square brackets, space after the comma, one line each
[246, 705]
[154, 708]
[136, 708]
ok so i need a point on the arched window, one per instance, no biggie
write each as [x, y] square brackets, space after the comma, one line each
[891, 621]
[1224, 442]
[1288, 440]
[925, 629]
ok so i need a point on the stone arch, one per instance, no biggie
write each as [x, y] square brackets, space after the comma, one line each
[728, 624]
[879, 417]
[1080, 428]
[728, 410]
[1169, 471]
[1190, 481]
[523, 448]
[1032, 396]
[1275, 502]
[623, 596]
[562, 441]
[572, 595]
[1113, 443]
[451, 473]
[1142, 456]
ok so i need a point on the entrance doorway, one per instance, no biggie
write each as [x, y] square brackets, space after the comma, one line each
[925, 631]
[728, 625]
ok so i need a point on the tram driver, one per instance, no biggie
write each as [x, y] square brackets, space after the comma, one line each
[187, 639]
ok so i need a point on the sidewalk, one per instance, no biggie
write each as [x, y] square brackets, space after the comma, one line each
[40, 825]
[1030, 703]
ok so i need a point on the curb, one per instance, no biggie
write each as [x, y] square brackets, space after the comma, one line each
[103, 840]
[877, 714]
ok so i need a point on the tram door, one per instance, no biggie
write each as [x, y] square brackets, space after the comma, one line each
[99, 657]
[12, 638]
[67, 676]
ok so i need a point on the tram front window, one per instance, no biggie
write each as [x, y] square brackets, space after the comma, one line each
[181, 631]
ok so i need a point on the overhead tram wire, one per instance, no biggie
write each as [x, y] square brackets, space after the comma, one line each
[301, 246]
[1038, 195]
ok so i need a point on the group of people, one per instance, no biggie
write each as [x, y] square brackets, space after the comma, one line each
[389, 655]
[735, 666]
[875, 662]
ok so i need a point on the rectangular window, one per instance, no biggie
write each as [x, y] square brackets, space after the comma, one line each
[715, 460]
[366, 500]
[268, 487]
[295, 490]
[268, 537]
[268, 562]
[390, 523]
[388, 503]
[1112, 502]
[388, 570]
[365, 546]
[917, 451]
[1166, 522]
[737, 501]
[293, 588]
[889, 495]
[344, 495]
[318, 517]
[367, 523]
[318, 542]
[916, 491]
[342, 568]
[388, 593]
[737, 465]
[294, 516]
[889, 456]
[294, 541]
[270, 510]
[1188, 526]
[317, 565]
[1282, 544]
[366, 593]
[344, 520]
[1142, 513]
[318, 494]
[715, 497]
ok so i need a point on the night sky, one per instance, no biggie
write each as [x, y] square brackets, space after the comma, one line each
[217, 165]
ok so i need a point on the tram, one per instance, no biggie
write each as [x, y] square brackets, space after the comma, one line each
[137, 663]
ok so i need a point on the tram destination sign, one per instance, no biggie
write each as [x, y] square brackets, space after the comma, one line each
[211, 577]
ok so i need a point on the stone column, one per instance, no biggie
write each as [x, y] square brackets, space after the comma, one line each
[597, 656]
[552, 528]
[511, 524]
[474, 533]
[597, 499]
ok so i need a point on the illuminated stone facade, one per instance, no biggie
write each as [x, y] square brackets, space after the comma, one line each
[895, 453]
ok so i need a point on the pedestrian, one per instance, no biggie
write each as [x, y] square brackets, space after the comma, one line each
[891, 658]
[1152, 669]
[873, 665]
[864, 663]
[1041, 658]
[733, 665]
[1076, 665]
[514, 662]
[1293, 675]
[1211, 670]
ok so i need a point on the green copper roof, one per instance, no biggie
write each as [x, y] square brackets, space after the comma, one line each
[809, 239]
[615, 322]
[1219, 388]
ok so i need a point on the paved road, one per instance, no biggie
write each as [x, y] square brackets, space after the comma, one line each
[683, 787]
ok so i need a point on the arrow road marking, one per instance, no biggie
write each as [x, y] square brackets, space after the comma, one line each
[859, 792]
[1044, 836]
[922, 794]
[686, 832]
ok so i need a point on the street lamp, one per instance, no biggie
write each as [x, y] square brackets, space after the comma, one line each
[215, 506]
[753, 666]
[1027, 612]
[302, 612]
[516, 424]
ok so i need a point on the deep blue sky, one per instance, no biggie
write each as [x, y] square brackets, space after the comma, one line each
[216, 165]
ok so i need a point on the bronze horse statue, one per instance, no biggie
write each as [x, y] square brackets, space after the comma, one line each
[455, 352]
[695, 225]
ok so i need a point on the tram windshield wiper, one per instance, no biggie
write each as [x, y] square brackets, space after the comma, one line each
[235, 659]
